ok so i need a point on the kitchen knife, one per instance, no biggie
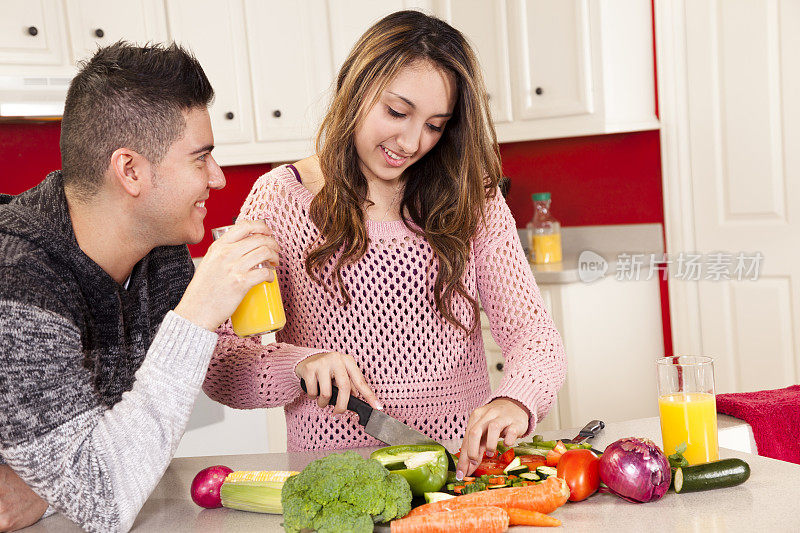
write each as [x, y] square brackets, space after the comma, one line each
[589, 431]
[382, 426]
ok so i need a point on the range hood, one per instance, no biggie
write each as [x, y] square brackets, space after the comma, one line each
[32, 97]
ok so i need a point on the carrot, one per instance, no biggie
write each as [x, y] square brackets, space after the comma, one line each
[544, 497]
[524, 517]
[474, 519]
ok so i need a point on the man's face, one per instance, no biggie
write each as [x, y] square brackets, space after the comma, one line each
[174, 206]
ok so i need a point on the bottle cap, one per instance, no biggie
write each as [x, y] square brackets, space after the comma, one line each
[540, 196]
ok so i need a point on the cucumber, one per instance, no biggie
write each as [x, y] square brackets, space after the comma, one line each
[545, 471]
[714, 475]
[515, 463]
[517, 471]
[433, 497]
[530, 476]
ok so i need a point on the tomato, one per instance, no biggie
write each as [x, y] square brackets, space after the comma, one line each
[553, 458]
[507, 456]
[489, 467]
[581, 470]
[532, 461]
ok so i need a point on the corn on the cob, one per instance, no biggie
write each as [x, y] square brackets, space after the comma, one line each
[255, 491]
[259, 475]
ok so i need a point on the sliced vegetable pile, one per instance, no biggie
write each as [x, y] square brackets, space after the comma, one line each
[492, 510]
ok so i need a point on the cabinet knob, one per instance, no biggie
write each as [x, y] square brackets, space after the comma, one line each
[99, 33]
[276, 113]
[538, 90]
[229, 115]
[499, 367]
[33, 30]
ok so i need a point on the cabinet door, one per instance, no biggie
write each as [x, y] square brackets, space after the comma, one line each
[349, 19]
[551, 58]
[290, 63]
[94, 23]
[31, 32]
[485, 24]
[214, 31]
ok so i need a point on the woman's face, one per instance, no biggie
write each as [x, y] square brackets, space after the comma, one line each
[406, 122]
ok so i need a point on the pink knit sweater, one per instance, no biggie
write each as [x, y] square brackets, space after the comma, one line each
[426, 372]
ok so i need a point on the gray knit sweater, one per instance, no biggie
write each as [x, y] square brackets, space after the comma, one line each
[96, 382]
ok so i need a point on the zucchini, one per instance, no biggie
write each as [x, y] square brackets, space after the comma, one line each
[501, 486]
[545, 471]
[515, 463]
[530, 476]
[433, 497]
[714, 475]
[517, 471]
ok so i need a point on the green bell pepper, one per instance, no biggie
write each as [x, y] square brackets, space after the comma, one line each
[424, 466]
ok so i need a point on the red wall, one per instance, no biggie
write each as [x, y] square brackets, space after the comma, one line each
[606, 179]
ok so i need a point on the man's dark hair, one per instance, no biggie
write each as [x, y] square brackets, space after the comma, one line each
[127, 96]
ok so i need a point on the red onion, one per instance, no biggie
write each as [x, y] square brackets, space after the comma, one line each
[206, 485]
[636, 470]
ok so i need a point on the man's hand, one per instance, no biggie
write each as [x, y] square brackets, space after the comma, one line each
[502, 417]
[227, 272]
[19, 505]
[321, 370]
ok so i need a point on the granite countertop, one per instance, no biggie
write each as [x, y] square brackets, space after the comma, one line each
[766, 502]
[599, 243]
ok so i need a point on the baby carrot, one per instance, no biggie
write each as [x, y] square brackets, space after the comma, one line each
[465, 520]
[524, 517]
[544, 497]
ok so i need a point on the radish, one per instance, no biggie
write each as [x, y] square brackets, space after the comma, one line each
[206, 485]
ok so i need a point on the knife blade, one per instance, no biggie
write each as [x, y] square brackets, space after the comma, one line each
[383, 427]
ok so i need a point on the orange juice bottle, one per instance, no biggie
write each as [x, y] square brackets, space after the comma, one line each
[690, 417]
[261, 310]
[544, 231]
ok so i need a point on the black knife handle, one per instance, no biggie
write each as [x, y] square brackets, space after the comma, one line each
[592, 428]
[357, 405]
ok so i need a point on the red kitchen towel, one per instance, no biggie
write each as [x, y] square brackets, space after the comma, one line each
[774, 416]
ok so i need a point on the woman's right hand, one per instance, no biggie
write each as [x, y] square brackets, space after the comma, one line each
[227, 272]
[320, 370]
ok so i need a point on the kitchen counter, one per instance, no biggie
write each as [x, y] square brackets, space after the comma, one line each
[766, 502]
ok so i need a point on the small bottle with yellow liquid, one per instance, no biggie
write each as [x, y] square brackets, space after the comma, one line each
[544, 232]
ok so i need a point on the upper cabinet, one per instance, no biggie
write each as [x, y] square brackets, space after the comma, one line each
[94, 23]
[552, 68]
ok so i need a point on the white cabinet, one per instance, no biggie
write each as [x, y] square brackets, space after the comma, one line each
[94, 23]
[31, 32]
[561, 68]
[214, 31]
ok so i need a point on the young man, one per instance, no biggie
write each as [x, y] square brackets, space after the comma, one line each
[105, 330]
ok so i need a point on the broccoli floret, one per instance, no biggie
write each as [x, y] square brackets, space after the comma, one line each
[343, 492]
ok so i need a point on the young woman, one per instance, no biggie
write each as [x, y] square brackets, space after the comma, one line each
[391, 237]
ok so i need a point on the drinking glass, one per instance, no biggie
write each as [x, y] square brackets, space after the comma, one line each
[687, 406]
[261, 310]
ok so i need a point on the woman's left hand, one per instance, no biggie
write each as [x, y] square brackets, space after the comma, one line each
[502, 417]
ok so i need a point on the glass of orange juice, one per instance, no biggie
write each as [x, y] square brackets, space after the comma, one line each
[261, 310]
[687, 406]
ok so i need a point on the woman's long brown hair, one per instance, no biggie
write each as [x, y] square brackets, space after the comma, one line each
[445, 191]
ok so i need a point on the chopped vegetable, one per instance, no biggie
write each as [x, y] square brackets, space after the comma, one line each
[713, 475]
[515, 463]
[424, 466]
[546, 471]
[524, 517]
[635, 469]
[580, 468]
[464, 520]
[206, 486]
[543, 497]
[343, 492]
[432, 497]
